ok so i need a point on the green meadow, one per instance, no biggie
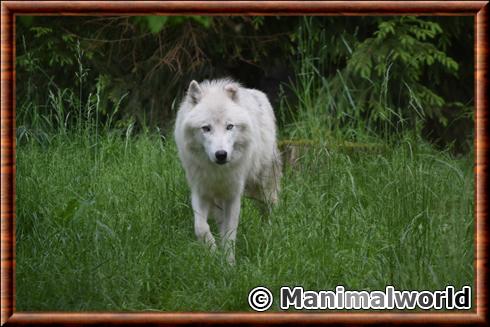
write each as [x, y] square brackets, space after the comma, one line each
[108, 226]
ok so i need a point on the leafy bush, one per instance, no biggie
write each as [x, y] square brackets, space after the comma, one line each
[392, 79]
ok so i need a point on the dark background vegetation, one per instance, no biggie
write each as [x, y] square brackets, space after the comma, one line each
[400, 72]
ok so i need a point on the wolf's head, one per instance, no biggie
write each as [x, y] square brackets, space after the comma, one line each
[217, 127]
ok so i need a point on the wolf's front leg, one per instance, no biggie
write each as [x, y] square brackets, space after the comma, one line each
[229, 230]
[201, 227]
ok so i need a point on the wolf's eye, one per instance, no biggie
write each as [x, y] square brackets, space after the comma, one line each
[206, 128]
[229, 127]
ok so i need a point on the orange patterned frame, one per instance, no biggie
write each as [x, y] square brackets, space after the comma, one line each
[9, 9]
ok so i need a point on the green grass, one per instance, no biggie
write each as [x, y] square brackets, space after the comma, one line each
[109, 227]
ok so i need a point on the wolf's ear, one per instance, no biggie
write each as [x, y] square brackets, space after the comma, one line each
[232, 91]
[194, 92]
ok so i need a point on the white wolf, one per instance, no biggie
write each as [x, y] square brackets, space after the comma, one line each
[226, 138]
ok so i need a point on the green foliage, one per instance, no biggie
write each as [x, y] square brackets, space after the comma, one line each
[70, 110]
[381, 82]
[401, 51]
[47, 40]
[155, 24]
[379, 74]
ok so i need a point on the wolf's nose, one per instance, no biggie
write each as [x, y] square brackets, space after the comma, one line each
[220, 156]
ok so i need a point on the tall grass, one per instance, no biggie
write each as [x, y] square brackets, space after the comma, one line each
[118, 235]
[327, 108]
[68, 111]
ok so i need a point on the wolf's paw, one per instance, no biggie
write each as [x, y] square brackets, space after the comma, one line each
[211, 245]
[230, 259]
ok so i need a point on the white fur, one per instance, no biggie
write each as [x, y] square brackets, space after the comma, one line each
[252, 163]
